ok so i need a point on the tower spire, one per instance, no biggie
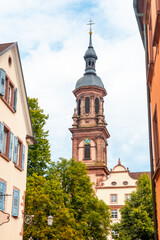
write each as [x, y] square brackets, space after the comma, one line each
[90, 55]
[90, 22]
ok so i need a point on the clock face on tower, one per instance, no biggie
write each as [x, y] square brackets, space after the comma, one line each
[86, 141]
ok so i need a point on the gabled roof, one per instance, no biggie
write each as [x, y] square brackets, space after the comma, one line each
[136, 175]
[4, 47]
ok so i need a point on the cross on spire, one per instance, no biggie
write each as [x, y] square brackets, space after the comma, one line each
[90, 22]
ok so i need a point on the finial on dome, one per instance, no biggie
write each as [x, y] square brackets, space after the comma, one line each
[90, 22]
[119, 161]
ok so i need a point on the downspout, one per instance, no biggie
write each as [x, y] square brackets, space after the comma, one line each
[150, 139]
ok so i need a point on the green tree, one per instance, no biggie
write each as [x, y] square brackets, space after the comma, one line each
[91, 215]
[65, 193]
[39, 156]
[137, 214]
[44, 198]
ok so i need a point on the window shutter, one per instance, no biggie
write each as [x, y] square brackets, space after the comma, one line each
[1, 136]
[15, 99]
[2, 195]
[2, 81]
[10, 146]
[15, 205]
[15, 150]
[23, 157]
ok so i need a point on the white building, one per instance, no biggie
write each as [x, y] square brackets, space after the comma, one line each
[117, 188]
[15, 135]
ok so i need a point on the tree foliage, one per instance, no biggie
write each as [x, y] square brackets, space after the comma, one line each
[137, 214]
[39, 155]
[65, 193]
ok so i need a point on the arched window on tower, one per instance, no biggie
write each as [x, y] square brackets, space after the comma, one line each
[87, 151]
[87, 105]
[96, 105]
[79, 107]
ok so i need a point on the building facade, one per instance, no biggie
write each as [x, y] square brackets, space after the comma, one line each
[148, 18]
[16, 135]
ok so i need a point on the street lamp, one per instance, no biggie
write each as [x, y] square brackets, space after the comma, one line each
[50, 220]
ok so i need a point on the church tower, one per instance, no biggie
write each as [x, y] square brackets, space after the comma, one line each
[89, 132]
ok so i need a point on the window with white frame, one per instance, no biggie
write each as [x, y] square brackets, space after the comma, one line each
[113, 198]
[127, 196]
[114, 214]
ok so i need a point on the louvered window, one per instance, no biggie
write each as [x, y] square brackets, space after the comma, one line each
[96, 105]
[87, 105]
[79, 107]
[87, 152]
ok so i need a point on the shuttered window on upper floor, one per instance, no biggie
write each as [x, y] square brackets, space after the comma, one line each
[8, 91]
[11, 147]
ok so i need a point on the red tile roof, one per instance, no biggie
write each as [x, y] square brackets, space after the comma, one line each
[4, 46]
[136, 175]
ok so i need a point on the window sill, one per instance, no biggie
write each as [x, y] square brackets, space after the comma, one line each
[18, 167]
[86, 159]
[4, 100]
[5, 157]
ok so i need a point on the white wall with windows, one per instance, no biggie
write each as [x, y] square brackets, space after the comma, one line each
[15, 127]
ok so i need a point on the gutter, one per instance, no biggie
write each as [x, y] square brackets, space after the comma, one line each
[138, 15]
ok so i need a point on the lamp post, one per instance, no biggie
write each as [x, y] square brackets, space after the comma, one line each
[50, 220]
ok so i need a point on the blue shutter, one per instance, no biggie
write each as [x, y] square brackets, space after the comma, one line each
[2, 195]
[15, 205]
[1, 136]
[10, 146]
[2, 81]
[15, 99]
[15, 150]
[23, 157]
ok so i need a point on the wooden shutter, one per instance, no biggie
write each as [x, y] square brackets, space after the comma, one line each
[10, 146]
[1, 136]
[2, 195]
[15, 205]
[15, 150]
[15, 99]
[23, 157]
[2, 82]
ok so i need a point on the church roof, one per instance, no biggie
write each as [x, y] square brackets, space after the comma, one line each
[89, 80]
[90, 77]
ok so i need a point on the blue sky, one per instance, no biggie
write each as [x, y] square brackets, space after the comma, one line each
[52, 38]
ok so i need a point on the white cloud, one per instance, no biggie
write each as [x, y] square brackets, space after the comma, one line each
[51, 73]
